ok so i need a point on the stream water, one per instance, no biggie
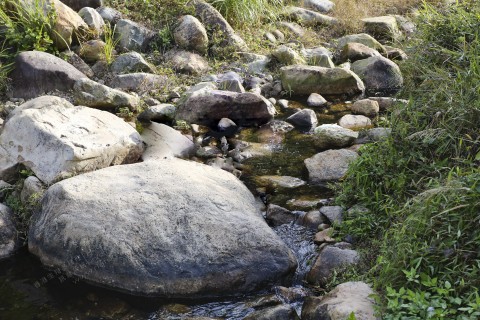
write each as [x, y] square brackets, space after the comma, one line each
[29, 291]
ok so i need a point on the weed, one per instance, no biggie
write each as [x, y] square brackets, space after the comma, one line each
[110, 43]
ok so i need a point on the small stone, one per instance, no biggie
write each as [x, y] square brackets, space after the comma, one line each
[187, 62]
[333, 136]
[315, 100]
[324, 236]
[303, 119]
[354, 122]
[287, 55]
[330, 260]
[334, 214]
[274, 182]
[270, 37]
[366, 107]
[329, 165]
[32, 190]
[312, 219]
[283, 104]
[158, 113]
[109, 14]
[93, 19]
[279, 35]
[92, 50]
[227, 126]
[132, 36]
[191, 34]
[277, 215]
[131, 62]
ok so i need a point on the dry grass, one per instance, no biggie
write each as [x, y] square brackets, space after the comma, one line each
[350, 12]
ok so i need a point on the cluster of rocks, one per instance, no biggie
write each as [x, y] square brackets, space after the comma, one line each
[119, 208]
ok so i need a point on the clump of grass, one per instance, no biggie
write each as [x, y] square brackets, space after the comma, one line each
[239, 12]
[422, 184]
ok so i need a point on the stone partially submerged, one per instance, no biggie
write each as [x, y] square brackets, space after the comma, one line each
[171, 228]
[55, 139]
[304, 80]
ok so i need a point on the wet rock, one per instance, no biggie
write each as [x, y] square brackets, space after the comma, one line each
[32, 190]
[341, 302]
[304, 204]
[132, 36]
[383, 28]
[333, 136]
[79, 4]
[304, 80]
[273, 132]
[274, 182]
[282, 312]
[331, 259]
[191, 34]
[38, 72]
[93, 94]
[379, 74]
[246, 150]
[287, 56]
[334, 214]
[213, 20]
[291, 294]
[75, 60]
[9, 241]
[109, 14]
[366, 107]
[354, 122]
[329, 165]
[209, 152]
[227, 126]
[356, 51]
[312, 219]
[163, 142]
[303, 119]
[159, 113]
[362, 38]
[208, 107]
[131, 62]
[93, 19]
[92, 50]
[187, 62]
[167, 228]
[277, 215]
[139, 82]
[40, 130]
[324, 236]
[308, 17]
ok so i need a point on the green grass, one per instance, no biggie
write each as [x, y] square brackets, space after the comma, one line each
[422, 186]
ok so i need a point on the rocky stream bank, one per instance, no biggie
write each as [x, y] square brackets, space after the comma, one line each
[211, 201]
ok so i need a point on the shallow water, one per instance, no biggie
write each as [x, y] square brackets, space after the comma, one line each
[29, 291]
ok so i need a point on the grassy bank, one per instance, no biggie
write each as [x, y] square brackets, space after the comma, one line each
[422, 186]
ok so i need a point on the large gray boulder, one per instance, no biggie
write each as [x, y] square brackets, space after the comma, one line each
[38, 72]
[9, 240]
[304, 80]
[79, 4]
[132, 36]
[341, 302]
[379, 74]
[190, 34]
[208, 107]
[93, 94]
[168, 228]
[55, 139]
[329, 165]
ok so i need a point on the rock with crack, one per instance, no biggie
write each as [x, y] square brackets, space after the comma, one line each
[173, 228]
[55, 139]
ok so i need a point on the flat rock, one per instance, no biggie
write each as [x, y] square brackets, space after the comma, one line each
[354, 51]
[38, 72]
[55, 139]
[208, 107]
[308, 17]
[172, 228]
[304, 80]
[286, 182]
[187, 62]
[362, 38]
[140, 82]
[93, 94]
[323, 6]
[346, 299]
[329, 165]
[366, 107]
[9, 241]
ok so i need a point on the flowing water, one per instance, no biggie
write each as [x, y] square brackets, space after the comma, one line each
[29, 291]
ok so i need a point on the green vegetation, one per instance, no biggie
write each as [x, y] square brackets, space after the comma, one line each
[422, 186]
[239, 12]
